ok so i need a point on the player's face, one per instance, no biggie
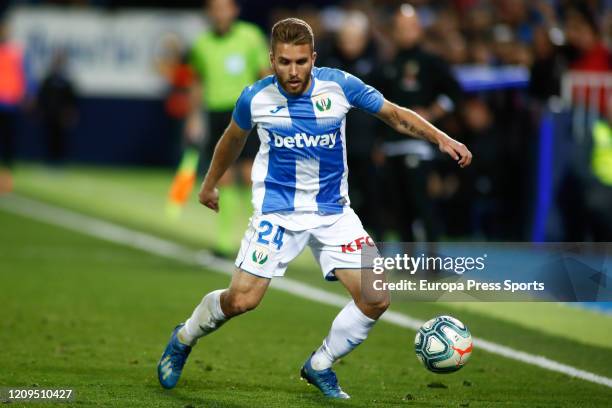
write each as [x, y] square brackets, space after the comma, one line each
[292, 64]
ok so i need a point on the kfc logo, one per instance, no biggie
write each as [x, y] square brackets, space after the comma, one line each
[357, 244]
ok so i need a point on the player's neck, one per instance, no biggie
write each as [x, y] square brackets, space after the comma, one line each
[308, 85]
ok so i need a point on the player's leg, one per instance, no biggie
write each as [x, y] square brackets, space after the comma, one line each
[265, 251]
[349, 329]
[354, 322]
[371, 303]
[244, 294]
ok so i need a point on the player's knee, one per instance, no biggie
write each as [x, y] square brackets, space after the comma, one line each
[242, 303]
[378, 306]
[382, 305]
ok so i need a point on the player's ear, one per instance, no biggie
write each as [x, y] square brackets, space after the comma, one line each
[272, 58]
[314, 57]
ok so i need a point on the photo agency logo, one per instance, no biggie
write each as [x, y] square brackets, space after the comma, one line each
[410, 264]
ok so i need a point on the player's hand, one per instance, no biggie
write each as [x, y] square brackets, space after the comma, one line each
[457, 151]
[210, 199]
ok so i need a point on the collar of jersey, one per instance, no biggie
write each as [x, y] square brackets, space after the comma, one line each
[289, 96]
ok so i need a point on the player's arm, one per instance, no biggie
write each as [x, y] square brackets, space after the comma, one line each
[408, 122]
[226, 152]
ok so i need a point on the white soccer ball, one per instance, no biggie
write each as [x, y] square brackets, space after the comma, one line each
[443, 344]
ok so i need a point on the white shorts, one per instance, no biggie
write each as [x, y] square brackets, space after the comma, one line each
[273, 240]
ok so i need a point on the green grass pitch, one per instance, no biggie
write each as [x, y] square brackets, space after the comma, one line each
[83, 313]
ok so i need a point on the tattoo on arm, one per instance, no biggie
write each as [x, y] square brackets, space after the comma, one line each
[407, 122]
[413, 129]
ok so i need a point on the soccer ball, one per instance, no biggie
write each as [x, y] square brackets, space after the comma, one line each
[443, 344]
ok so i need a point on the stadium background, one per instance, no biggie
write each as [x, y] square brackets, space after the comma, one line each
[527, 116]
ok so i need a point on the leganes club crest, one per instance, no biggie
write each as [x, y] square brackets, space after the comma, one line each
[259, 255]
[323, 103]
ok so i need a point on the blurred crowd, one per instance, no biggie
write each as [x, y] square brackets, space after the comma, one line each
[411, 59]
[404, 189]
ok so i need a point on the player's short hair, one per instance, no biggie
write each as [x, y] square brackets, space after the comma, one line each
[292, 31]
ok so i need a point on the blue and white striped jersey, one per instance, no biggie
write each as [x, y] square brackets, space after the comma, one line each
[301, 163]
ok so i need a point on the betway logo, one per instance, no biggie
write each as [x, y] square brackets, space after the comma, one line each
[303, 140]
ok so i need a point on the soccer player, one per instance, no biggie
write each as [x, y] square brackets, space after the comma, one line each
[300, 197]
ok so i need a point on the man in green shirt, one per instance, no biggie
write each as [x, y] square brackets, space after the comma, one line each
[227, 58]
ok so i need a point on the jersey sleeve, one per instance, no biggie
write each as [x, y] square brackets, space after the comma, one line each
[361, 95]
[242, 110]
